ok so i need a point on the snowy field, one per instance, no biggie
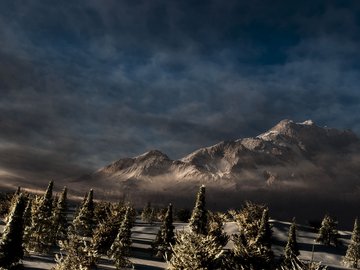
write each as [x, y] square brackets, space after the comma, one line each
[143, 234]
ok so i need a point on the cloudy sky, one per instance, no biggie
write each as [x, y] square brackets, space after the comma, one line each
[83, 83]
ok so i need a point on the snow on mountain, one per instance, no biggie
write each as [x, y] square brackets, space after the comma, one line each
[280, 153]
[291, 157]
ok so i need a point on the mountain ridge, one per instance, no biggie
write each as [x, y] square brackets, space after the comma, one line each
[296, 168]
[287, 144]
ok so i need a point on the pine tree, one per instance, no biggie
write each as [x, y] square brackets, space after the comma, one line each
[199, 219]
[196, 252]
[216, 228]
[79, 254]
[147, 215]
[11, 245]
[13, 202]
[60, 224]
[152, 216]
[39, 236]
[102, 212]
[84, 223]
[352, 257]
[106, 232]
[27, 220]
[328, 233]
[264, 234]
[166, 237]
[291, 248]
[296, 264]
[262, 243]
[47, 200]
[27, 213]
[252, 244]
[120, 249]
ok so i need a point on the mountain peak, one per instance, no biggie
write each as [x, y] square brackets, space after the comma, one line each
[153, 154]
[286, 126]
[309, 134]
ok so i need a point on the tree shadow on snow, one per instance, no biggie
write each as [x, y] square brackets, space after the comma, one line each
[147, 267]
[339, 250]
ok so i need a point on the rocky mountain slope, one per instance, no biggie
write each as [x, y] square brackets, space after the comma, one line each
[284, 155]
[290, 158]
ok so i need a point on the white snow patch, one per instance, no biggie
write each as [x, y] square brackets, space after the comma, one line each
[267, 135]
[307, 123]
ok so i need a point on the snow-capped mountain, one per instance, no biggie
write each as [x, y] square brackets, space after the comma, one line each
[290, 158]
[284, 155]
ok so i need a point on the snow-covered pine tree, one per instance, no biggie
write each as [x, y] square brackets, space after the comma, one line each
[27, 217]
[166, 237]
[252, 249]
[27, 213]
[39, 236]
[55, 201]
[296, 264]
[11, 244]
[216, 228]
[105, 233]
[199, 219]
[197, 249]
[60, 223]
[102, 211]
[263, 240]
[352, 257]
[328, 233]
[47, 200]
[18, 191]
[79, 255]
[13, 202]
[152, 216]
[148, 213]
[291, 249]
[264, 234]
[84, 222]
[196, 252]
[120, 249]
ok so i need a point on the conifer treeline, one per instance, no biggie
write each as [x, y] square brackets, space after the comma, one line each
[37, 224]
[40, 223]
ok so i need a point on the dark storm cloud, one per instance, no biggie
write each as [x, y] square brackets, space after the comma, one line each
[87, 82]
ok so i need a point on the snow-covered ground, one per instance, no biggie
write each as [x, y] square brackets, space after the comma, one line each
[331, 256]
[143, 234]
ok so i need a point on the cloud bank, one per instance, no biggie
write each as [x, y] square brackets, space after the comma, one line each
[89, 82]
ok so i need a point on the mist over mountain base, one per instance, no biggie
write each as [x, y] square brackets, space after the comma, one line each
[299, 169]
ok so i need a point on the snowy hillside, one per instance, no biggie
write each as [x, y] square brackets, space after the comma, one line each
[143, 234]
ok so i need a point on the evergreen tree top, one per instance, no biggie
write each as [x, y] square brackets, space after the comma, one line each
[264, 234]
[168, 220]
[200, 198]
[356, 225]
[49, 190]
[17, 211]
[199, 218]
[63, 195]
[355, 237]
[127, 215]
[11, 248]
[352, 257]
[18, 190]
[84, 222]
[291, 248]
[328, 233]
[90, 196]
[89, 200]
[169, 212]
